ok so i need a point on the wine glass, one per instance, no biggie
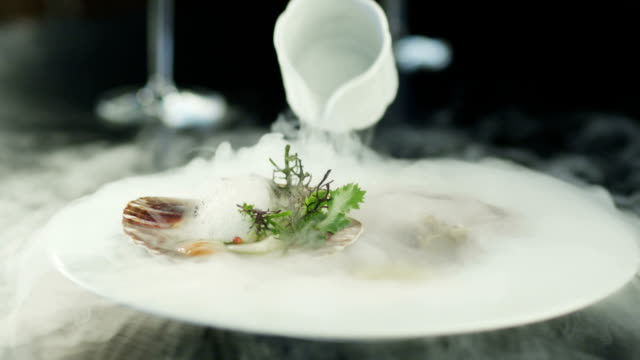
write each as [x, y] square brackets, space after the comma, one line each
[160, 99]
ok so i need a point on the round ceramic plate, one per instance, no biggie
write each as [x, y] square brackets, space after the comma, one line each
[566, 261]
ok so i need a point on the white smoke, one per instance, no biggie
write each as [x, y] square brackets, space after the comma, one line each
[44, 316]
[35, 300]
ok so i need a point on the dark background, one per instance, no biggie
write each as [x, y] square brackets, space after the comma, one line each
[544, 60]
[552, 87]
[530, 83]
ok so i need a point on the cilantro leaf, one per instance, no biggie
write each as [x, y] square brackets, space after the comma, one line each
[347, 197]
[343, 200]
[304, 216]
[334, 223]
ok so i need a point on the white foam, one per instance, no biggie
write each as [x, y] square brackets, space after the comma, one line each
[218, 217]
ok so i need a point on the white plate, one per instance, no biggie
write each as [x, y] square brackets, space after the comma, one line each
[570, 260]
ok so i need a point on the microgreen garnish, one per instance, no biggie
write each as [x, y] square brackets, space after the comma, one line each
[304, 215]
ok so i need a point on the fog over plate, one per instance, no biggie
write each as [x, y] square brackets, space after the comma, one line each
[533, 248]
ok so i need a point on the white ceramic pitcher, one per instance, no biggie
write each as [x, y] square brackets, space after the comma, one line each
[337, 62]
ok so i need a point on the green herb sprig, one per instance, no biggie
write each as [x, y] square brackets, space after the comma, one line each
[264, 222]
[305, 215]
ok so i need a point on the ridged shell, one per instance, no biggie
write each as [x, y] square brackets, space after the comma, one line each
[343, 238]
[149, 221]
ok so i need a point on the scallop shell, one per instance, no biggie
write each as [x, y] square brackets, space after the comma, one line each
[154, 223]
[343, 238]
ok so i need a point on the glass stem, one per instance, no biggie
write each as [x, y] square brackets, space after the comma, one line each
[160, 42]
[397, 16]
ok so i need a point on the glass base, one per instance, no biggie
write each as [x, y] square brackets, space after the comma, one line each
[176, 108]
